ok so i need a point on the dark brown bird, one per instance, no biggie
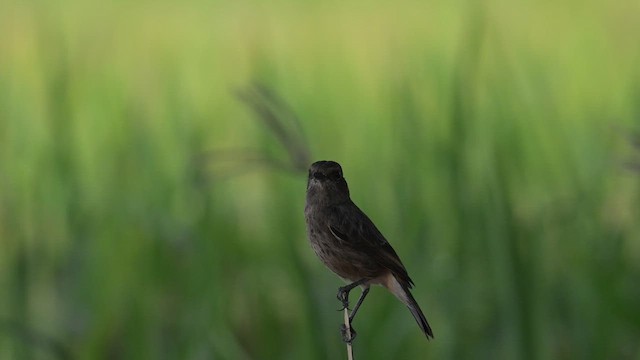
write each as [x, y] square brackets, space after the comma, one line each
[350, 245]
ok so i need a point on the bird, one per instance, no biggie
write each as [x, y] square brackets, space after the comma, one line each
[351, 246]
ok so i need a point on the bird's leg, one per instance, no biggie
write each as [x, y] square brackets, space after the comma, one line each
[360, 300]
[343, 328]
[343, 292]
[343, 295]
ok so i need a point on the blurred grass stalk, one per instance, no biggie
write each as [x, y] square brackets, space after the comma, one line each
[478, 136]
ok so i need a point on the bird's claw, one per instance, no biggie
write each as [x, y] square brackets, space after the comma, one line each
[345, 305]
[345, 336]
[343, 296]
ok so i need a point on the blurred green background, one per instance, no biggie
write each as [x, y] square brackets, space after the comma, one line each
[487, 140]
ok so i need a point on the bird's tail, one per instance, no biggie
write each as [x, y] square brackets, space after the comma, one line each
[401, 291]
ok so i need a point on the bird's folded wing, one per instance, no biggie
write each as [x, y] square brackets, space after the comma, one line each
[361, 234]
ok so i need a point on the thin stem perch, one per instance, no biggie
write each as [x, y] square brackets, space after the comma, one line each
[347, 326]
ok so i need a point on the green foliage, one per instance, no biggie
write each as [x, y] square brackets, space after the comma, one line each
[487, 141]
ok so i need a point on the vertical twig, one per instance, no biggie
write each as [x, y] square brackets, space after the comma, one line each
[347, 327]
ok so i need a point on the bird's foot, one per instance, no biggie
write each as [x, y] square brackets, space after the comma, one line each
[345, 335]
[343, 296]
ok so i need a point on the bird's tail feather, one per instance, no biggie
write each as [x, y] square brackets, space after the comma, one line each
[403, 294]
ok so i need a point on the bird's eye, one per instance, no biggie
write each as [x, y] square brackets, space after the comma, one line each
[318, 175]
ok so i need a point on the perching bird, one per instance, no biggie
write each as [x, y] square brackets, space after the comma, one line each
[350, 245]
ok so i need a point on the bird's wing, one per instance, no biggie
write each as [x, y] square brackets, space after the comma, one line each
[361, 234]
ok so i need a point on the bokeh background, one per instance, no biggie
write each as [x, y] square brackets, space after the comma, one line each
[149, 212]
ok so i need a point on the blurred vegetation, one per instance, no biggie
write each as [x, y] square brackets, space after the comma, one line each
[142, 215]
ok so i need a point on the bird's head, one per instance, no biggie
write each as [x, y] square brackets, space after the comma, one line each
[326, 182]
